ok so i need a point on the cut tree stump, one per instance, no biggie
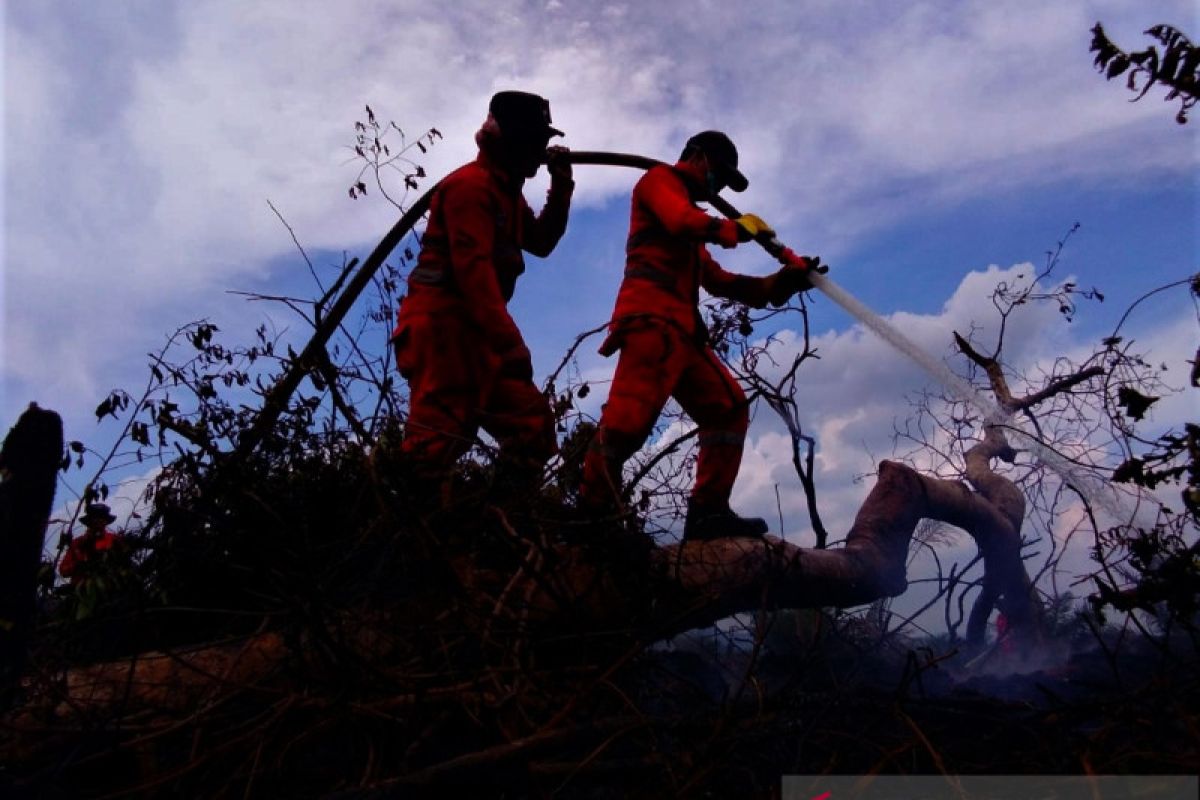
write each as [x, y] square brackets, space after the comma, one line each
[29, 462]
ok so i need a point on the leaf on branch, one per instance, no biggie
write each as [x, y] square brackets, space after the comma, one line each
[1134, 402]
[1177, 68]
[1102, 46]
[140, 433]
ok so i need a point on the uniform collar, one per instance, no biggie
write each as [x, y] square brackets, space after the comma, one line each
[490, 163]
[694, 184]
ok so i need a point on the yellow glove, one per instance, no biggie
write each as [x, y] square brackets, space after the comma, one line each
[752, 226]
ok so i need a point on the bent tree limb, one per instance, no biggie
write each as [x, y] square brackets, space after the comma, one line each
[715, 579]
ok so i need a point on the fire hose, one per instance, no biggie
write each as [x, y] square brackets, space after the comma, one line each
[314, 354]
[276, 398]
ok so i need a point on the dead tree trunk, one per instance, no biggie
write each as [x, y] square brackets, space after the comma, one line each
[29, 463]
[708, 581]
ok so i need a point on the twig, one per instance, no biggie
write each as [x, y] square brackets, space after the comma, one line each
[299, 246]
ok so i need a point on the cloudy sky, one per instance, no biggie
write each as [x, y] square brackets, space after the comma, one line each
[923, 149]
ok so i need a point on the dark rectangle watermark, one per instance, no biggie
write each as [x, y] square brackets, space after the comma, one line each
[991, 787]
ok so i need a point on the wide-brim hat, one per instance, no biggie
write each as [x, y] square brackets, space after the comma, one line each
[98, 512]
[522, 114]
[722, 156]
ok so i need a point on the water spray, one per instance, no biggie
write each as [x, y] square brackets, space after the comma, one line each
[1094, 490]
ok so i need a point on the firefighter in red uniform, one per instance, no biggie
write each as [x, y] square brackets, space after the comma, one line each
[656, 325]
[465, 361]
[95, 544]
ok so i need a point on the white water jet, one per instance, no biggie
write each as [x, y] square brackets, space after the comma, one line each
[1097, 492]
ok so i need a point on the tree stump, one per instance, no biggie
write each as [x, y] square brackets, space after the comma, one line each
[29, 463]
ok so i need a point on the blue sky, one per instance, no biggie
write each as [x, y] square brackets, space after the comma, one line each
[915, 146]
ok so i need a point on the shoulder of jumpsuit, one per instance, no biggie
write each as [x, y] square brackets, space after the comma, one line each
[661, 173]
[666, 182]
[472, 176]
[470, 185]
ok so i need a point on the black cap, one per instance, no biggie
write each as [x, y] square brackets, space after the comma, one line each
[722, 155]
[98, 512]
[522, 114]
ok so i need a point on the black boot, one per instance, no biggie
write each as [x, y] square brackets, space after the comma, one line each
[712, 521]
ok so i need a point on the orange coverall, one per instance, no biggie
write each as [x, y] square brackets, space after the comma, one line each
[465, 361]
[657, 327]
[82, 549]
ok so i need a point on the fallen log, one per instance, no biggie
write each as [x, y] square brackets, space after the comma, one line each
[702, 582]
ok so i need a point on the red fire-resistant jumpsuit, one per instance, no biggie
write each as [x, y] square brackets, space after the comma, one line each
[83, 549]
[657, 327]
[456, 344]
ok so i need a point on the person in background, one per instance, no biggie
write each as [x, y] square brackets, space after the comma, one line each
[95, 544]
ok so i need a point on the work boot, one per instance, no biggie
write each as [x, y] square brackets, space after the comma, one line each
[707, 521]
